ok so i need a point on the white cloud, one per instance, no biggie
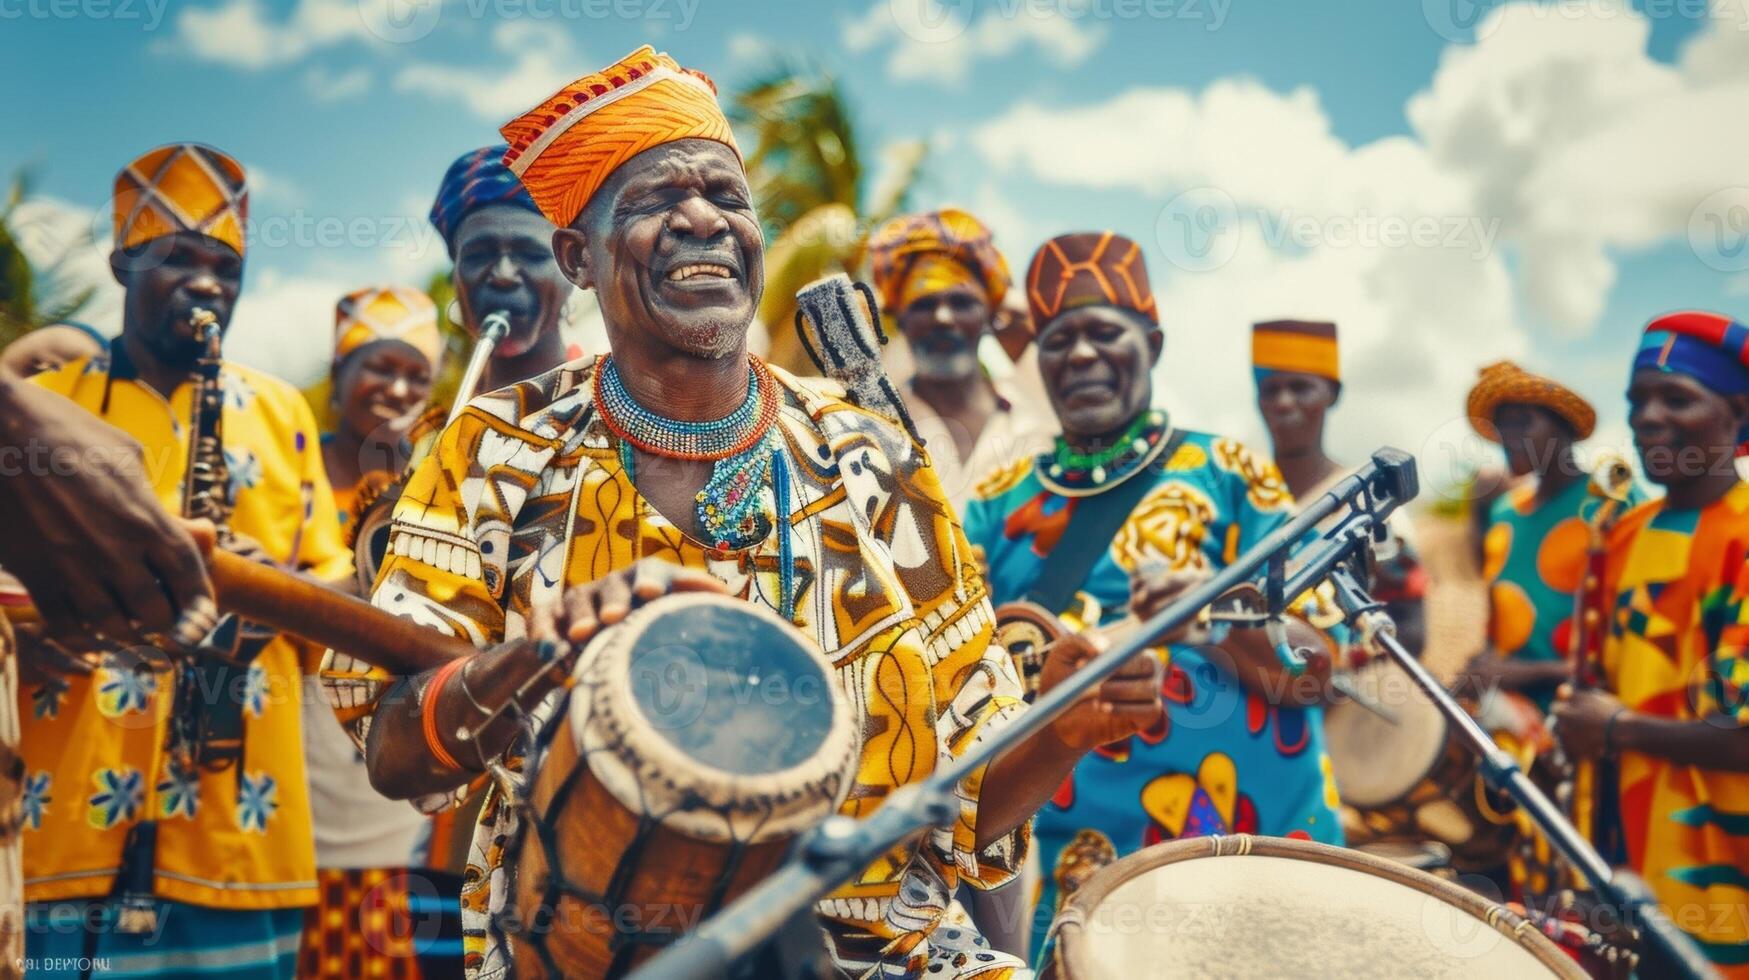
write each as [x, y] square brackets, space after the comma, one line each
[1554, 140]
[326, 86]
[942, 42]
[241, 33]
[1582, 144]
[283, 325]
[74, 242]
[538, 60]
[749, 49]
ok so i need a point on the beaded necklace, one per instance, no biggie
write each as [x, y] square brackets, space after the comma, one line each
[743, 448]
[1072, 473]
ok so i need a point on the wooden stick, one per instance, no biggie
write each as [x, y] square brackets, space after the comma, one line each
[296, 605]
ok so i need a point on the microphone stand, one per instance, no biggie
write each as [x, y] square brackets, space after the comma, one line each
[841, 847]
[1667, 951]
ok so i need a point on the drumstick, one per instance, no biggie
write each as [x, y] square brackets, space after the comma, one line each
[307, 609]
[304, 608]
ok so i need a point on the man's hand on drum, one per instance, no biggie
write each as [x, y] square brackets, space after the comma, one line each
[403, 764]
[87, 536]
[584, 609]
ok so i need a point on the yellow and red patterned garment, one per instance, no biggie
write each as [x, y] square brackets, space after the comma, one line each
[181, 187]
[564, 149]
[94, 754]
[1678, 647]
[526, 495]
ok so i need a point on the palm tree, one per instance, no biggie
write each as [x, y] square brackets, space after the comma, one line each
[810, 183]
[31, 297]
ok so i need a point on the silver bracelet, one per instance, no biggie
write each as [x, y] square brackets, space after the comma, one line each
[482, 709]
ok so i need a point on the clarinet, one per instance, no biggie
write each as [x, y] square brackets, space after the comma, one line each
[206, 490]
[1583, 788]
[203, 733]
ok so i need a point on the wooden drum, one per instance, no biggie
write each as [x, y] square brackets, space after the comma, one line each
[1266, 907]
[702, 735]
[1414, 779]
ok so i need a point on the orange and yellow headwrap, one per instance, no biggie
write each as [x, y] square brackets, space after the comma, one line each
[376, 313]
[1297, 346]
[564, 149]
[919, 255]
[181, 187]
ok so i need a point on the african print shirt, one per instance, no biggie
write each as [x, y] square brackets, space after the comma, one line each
[526, 494]
[1533, 561]
[1223, 760]
[1678, 647]
[94, 756]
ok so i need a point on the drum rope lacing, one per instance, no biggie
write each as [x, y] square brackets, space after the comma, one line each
[517, 791]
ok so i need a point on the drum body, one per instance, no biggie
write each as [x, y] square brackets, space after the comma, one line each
[1412, 780]
[1266, 907]
[702, 735]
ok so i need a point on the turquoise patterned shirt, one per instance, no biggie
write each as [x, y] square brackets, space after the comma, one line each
[1223, 760]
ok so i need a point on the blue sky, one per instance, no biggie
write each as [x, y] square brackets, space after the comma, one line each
[1562, 152]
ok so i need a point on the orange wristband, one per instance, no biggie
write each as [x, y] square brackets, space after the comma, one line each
[428, 719]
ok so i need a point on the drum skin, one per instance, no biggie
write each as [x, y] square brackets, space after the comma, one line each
[665, 788]
[1244, 906]
[1414, 780]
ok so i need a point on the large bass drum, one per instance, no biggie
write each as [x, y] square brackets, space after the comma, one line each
[702, 735]
[1266, 907]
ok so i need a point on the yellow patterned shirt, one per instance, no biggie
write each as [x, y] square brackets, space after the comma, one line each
[94, 754]
[525, 494]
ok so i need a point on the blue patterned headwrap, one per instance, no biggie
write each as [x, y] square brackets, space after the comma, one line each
[476, 179]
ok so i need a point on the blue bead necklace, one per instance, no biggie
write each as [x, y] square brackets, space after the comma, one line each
[748, 463]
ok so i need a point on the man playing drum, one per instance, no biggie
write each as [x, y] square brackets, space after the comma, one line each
[1671, 714]
[680, 463]
[1241, 746]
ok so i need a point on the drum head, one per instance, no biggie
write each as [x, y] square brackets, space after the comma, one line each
[736, 692]
[1265, 907]
[1376, 761]
[715, 717]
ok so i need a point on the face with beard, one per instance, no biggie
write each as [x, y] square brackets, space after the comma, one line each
[166, 279]
[943, 330]
[673, 250]
[504, 261]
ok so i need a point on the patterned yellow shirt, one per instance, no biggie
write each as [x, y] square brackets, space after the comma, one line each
[885, 586]
[94, 754]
